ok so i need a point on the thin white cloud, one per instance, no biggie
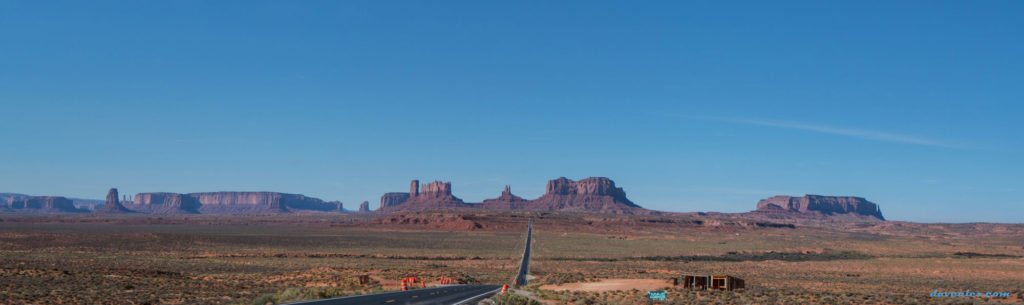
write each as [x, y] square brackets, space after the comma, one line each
[850, 132]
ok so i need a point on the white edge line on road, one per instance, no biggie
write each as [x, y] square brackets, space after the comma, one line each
[477, 296]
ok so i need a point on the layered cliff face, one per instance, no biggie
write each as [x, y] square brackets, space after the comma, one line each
[163, 203]
[364, 207]
[142, 199]
[506, 201]
[44, 204]
[240, 202]
[823, 205]
[437, 189]
[7, 198]
[595, 194]
[389, 200]
[234, 202]
[112, 205]
[178, 204]
[436, 195]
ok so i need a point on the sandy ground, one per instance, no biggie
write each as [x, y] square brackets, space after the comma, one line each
[531, 296]
[612, 284]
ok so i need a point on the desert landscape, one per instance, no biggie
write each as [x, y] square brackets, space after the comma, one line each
[511, 152]
[841, 252]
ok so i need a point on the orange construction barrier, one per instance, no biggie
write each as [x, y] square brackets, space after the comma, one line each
[404, 288]
[504, 288]
[424, 284]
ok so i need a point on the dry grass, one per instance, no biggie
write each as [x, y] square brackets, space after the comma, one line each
[226, 260]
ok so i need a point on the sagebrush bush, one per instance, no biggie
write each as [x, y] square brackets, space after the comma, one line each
[513, 299]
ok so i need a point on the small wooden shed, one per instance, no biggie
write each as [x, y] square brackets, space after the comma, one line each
[725, 282]
[712, 282]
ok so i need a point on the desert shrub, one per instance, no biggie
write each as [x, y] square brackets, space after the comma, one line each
[299, 294]
[562, 278]
[265, 299]
[513, 299]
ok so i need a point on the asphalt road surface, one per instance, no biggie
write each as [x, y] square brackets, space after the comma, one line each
[448, 295]
[524, 268]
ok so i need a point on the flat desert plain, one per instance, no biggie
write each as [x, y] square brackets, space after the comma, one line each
[268, 259]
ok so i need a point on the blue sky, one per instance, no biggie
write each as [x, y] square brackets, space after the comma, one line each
[702, 106]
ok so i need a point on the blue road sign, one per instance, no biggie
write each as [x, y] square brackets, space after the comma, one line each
[657, 295]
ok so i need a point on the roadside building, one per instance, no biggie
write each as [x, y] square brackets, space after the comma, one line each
[712, 282]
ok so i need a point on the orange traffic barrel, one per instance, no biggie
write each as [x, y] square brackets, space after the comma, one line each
[404, 288]
[504, 288]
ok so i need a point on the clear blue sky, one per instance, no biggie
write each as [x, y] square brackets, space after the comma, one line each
[689, 106]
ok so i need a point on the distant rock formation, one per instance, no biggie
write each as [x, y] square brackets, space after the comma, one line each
[44, 204]
[436, 195]
[364, 207]
[7, 198]
[248, 202]
[823, 205]
[594, 194]
[389, 200]
[437, 189]
[506, 201]
[235, 202]
[112, 206]
[178, 204]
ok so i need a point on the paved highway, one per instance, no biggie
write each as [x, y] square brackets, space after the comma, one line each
[453, 295]
[524, 267]
[447, 295]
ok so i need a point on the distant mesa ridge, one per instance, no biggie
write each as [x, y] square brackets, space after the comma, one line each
[230, 203]
[589, 195]
[436, 195]
[112, 205]
[364, 207]
[823, 205]
[506, 201]
[39, 204]
[595, 194]
[389, 200]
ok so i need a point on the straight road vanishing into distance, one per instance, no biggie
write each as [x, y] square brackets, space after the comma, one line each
[453, 294]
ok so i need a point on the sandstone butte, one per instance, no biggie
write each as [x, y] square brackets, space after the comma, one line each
[229, 203]
[594, 195]
[600, 195]
[112, 205]
[812, 205]
[364, 207]
[40, 204]
[590, 195]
